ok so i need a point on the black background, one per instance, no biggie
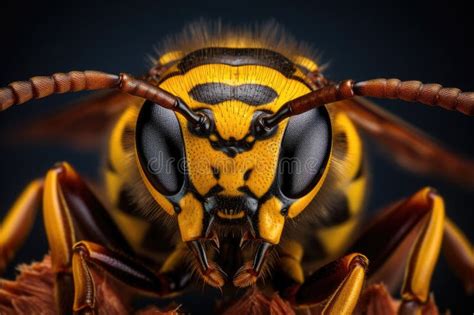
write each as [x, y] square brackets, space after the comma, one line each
[427, 41]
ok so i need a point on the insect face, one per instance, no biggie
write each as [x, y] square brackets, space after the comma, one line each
[239, 138]
[235, 172]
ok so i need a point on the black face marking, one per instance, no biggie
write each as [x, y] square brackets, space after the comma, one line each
[214, 190]
[247, 174]
[238, 57]
[160, 148]
[231, 147]
[246, 190]
[215, 93]
[215, 172]
[305, 151]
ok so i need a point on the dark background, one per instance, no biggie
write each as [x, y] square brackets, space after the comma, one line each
[428, 41]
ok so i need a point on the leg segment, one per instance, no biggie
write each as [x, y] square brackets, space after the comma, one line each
[393, 233]
[335, 287]
[73, 213]
[424, 254]
[414, 225]
[91, 220]
[345, 299]
[18, 223]
[117, 265]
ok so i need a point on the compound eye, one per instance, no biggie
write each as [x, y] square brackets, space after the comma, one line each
[305, 151]
[160, 148]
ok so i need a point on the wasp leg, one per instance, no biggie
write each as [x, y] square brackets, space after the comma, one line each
[334, 288]
[72, 213]
[424, 255]
[345, 299]
[391, 235]
[413, 225]
[460, 254]
[119, 266]
[18, 223]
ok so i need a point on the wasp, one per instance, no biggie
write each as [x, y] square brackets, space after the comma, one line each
[236, 156]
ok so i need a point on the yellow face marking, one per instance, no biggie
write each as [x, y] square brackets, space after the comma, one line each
[190, 219]
[250, 138]
[232, 119]
[271, 221]
[223, 215]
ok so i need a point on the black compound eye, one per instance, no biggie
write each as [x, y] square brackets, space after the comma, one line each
[160, 148]
[305, 150]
